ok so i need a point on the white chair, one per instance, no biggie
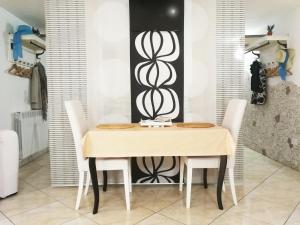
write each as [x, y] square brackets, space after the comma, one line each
[232, 121]
[79, 128]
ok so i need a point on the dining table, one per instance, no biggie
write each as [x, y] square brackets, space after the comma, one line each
[133, 140]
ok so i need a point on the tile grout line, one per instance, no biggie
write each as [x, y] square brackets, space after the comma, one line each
[146, 216]
[154, 212]
[251, 161]
[247, 194]
[9, 219]
[158, 210]
[28, 210]
[171, 218]
[241, 198]
[35, 189]
[172, 203]
[259, 184]
[67, 206]
[41, 167]
[165, 208]
[49, 196]
[55, 200]
[84, 215]
[298, 204]
[78, 218]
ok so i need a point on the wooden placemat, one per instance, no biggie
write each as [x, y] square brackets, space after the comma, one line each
[116, 126]
[195, 125]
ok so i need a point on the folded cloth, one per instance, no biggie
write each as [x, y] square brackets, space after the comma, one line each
[17, 40]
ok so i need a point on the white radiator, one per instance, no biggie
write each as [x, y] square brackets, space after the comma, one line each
[32, 131]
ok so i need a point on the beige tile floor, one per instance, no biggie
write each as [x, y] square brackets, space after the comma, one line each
[269, 194]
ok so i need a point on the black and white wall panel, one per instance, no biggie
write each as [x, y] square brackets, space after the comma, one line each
[157, 76]
[156, 58]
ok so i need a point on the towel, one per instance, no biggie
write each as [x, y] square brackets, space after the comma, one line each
[17, 40]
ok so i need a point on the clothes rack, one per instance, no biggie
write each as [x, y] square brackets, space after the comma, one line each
[260, 42]
[38, 46]
[256, 54]
[258, 47]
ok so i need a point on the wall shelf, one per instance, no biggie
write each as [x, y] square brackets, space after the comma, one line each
[264, 41]
[31, 42]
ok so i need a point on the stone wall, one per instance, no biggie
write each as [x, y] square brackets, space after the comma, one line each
[273, 129]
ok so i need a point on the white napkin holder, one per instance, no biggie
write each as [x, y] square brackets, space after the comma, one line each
[158, 122]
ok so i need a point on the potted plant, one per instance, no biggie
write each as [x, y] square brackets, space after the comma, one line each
[270, 29]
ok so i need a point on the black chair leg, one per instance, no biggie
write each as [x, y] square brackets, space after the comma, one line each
[205, 177]
[93, 172]
[104, 180]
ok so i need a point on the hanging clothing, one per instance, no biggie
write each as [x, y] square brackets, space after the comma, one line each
[282, 65]
[35, 89]
[17, 40]
[258, 83]
[38, 89]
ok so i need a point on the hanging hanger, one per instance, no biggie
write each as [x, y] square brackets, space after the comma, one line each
[40, 47]
[10, 70]
[21, 69]
[256, 54]
[282, 44]
[37, 55]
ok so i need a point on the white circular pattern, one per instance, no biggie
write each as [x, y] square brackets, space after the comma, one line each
[114, 80]
[199, 21]
[193, 117]
[111, 21]
[197, 83]
[114, 118]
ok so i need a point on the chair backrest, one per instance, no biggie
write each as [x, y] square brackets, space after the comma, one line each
[79, 127]
[233, 119]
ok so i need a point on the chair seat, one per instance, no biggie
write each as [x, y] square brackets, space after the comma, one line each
[232, 121]
[203, 162]
[79, 127]
[109, 164]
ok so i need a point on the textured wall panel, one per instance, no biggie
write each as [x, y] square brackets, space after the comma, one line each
[230, 63]
[66, 70]
[273, 129]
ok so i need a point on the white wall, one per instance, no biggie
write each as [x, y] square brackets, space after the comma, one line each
[200, 63]
[14, 91]
[109, 61]
[285, 24]
[289, 24]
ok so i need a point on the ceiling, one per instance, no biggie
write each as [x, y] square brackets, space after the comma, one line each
[30, 11]
[258, 12]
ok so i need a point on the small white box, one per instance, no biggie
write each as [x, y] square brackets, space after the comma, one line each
[158, 122]
[9, 163]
